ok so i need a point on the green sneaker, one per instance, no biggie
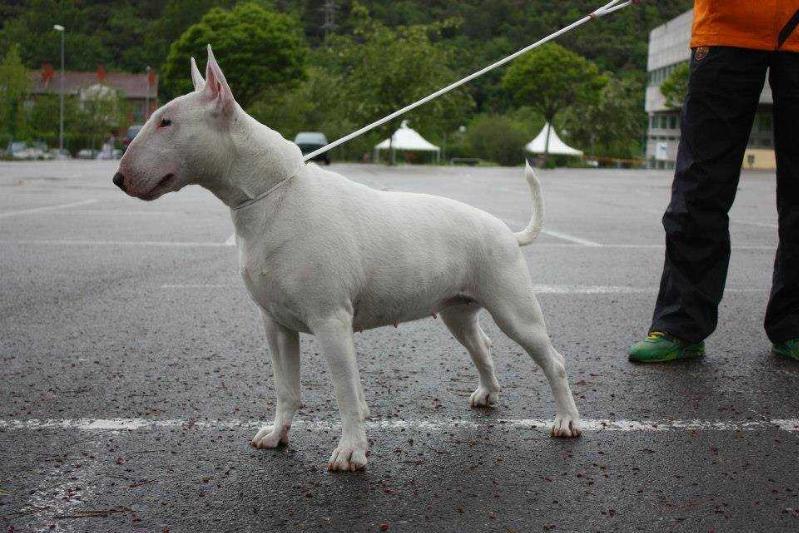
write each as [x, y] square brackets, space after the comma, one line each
[789, 349]
[660, 347]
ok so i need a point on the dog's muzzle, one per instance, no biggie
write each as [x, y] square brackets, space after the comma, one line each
[119, 180]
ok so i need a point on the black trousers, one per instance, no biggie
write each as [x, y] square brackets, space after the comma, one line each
[717, 116]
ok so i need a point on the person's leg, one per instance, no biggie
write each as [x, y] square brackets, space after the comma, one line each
[782, 314]
[718, 112]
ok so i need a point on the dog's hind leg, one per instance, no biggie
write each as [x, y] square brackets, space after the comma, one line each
[284, 344]
[334, 334]
[463, 322]
[515, 309]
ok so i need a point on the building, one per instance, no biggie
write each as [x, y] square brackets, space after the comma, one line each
[140, 90]
[669, 46]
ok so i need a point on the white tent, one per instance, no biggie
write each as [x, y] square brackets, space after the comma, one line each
[556, 145]
[406, 139]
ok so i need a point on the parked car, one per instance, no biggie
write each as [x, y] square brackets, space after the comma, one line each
[20, 151]
[16, 150]
[108, 152]
[308, 141]
[42, 151]
[130, 135]
[55, 153]
[87, 153]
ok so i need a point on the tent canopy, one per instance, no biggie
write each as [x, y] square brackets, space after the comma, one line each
[556, 145]
[408, 140]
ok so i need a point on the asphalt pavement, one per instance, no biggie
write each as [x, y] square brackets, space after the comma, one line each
[134, 371]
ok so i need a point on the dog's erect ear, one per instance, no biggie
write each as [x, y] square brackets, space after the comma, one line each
[216, 89]
[196, 77]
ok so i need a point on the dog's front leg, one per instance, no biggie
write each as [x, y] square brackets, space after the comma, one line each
[284, 344]
[334, 334]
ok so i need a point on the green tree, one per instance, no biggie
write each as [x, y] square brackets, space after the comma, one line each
[129, 35]
[382, 69]
[613, 125]
[102, 111]
[171, 18]
[14, 87]
[551, 79]
[304, 107]
[675, 87]
[256, 47]
[42, 120]
[88, 42]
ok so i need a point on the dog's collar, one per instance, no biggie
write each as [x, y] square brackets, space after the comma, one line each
[269, 191]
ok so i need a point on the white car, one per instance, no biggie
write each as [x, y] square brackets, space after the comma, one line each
[20, 151]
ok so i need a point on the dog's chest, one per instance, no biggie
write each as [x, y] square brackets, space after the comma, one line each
[273, 289]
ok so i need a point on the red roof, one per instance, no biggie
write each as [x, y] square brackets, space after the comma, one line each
[48, 80]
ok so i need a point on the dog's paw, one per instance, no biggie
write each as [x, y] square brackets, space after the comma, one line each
[348, 458]
[484, 397]
[566, 426]
[270, 437]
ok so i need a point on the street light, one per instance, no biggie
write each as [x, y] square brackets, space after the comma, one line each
[59, 28]
[147, 95]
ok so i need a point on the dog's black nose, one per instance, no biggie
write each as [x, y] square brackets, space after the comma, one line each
[119, 180]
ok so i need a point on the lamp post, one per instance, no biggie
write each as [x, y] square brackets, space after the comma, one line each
[147, 96]
[59, 28]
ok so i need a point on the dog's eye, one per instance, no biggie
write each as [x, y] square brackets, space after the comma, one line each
[164, 123]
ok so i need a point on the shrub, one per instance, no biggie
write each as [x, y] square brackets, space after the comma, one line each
[496, 138]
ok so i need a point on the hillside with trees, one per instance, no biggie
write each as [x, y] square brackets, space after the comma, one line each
[293, 71]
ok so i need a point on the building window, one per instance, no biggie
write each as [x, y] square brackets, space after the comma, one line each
[673, 122]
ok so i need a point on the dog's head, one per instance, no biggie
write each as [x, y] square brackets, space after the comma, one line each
[184, 141]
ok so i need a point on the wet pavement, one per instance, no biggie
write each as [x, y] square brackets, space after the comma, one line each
[134, 373]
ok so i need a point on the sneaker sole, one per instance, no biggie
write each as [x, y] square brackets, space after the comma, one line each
[674, 356]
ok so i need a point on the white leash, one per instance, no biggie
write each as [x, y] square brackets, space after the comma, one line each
[607, 9]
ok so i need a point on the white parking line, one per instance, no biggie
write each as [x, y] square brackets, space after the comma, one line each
[165, 244]
[114, 213]
[199, 286]
[751, 247]
[571, 238]
[585, 244]
[539, 289]
[45, 208]
[758, 224]
[659, 213]
[611, 289]
[790, 425]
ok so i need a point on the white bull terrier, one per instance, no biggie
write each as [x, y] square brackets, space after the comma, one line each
[323, 255]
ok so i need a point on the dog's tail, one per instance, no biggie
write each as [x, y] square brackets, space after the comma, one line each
[528, 234]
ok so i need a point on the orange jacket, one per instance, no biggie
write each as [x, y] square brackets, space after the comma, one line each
[757, 24]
